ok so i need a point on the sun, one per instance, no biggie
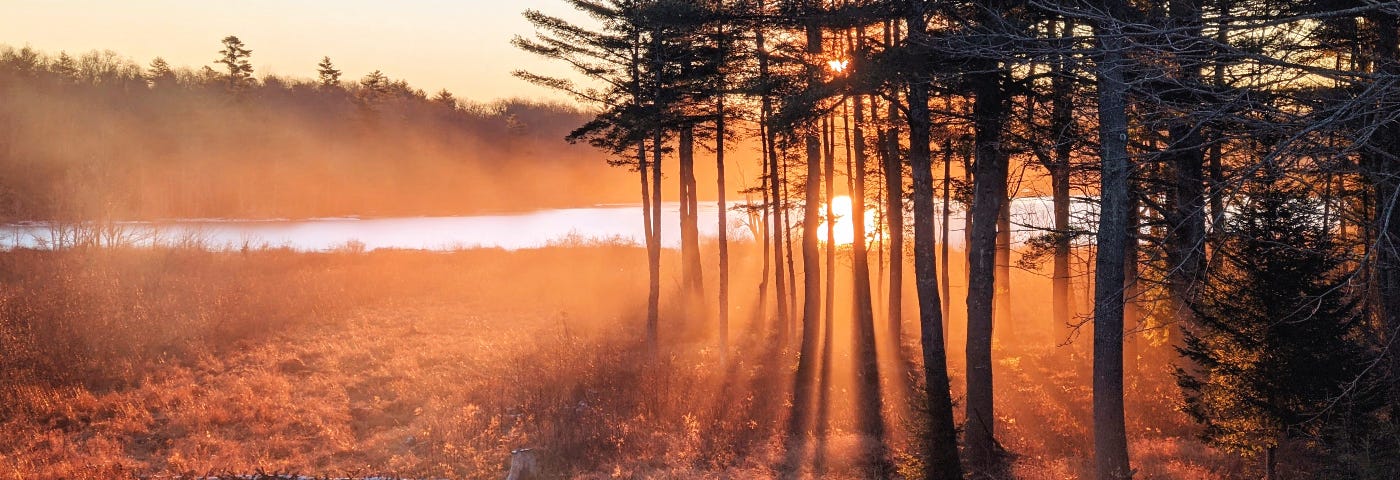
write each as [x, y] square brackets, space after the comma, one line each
[844, 228]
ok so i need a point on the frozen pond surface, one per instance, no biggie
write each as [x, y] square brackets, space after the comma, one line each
[619, 223]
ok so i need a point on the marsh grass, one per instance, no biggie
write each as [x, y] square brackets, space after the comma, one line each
[133, 362]
[123, 363]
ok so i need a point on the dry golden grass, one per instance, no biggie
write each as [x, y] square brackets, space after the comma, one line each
[409, 363]
[131, 363]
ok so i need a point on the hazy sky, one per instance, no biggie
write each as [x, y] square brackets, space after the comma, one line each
[463, 46]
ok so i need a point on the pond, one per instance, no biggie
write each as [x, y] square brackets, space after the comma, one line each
[613, 223]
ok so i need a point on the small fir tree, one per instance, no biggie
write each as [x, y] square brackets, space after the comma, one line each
[1274, 343]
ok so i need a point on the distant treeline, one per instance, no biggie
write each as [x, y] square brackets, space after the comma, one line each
[98, 136]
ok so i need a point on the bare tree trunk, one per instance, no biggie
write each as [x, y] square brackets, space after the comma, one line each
[942, 444]
[767, 230]
[653, 247]
[723, 235]
[828, 319]
[811, 254]
[1185, 202]
[881, 212]
[1087, 300]
[894, 207]
[944, 255]
[1131, 289]
[967, 161]
[803, 390]
[1384, 171]
[805, 382]
[1217, 174]
[770, 154]
[989, 192]
[868, 369]
[829, 173]
[793, 316]
[1061, 290]
[1110, 436]
[654, 255]
[1062, 118]
[692, 278]
[894, 201]
[1270, 464]
[1004, 329]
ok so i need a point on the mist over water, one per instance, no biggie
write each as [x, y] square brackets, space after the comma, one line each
[613, 223]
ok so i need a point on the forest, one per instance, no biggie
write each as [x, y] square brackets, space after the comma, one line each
[1213, 292]
[98, 136]
[1241, 155]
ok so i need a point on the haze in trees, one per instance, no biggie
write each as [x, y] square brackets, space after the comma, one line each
[101, 136]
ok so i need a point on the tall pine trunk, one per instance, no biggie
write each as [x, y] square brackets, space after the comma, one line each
[805, 382]
[1185, 201]
[894, 207]
[829, 181]
[1110, 437]
[654, 254]
[868, 368]
[942, 444]
[1384, 172]
[794, 317]
[1061, 123]
[989, 192]
[765, 224]
[894, 216]
[1061, 291]
[828, 136]
[807, 362]
[944, 239]
[968, 160]
[723, 234]
[1131, 288]
[770, 158]
[881, 212]
[691, 270]
[653, 248]
[658, 135]
[1216, 187]
[1004, 328]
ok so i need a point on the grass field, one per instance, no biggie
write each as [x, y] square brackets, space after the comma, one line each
[131, 363]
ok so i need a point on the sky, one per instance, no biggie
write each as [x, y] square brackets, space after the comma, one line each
[463, 46]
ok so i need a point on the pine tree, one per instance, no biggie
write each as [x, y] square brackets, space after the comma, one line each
[327, 74]
[373, 88]
[1115, 166]
[234, 58]
[65, 68]
[445, 98]
[630, 71]
[1274, 342]
[159, 73]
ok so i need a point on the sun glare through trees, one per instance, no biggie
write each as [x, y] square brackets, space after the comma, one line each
[844, 227]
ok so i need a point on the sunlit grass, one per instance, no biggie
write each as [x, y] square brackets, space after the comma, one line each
[123, 363]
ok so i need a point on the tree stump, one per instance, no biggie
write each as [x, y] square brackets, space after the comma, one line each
[524, 465]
